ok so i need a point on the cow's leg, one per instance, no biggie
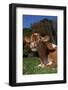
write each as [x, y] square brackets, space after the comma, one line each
[41, 63]
[49, 61]
[45, 60]
[52, 57]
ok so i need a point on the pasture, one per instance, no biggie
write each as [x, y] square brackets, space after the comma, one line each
[30, 66]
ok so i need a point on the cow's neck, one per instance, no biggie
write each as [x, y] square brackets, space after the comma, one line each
[43, 52]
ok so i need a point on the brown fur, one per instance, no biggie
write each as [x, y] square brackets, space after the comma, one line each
[45, 50]
[48, 52]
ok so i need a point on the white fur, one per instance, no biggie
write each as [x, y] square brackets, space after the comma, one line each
[50, 63]
[53, 45]
[34, 49]
[31, 45]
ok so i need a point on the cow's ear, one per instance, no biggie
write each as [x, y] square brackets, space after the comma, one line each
[45, 38]
[27, 39]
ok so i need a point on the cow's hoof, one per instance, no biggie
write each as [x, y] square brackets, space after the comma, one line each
[39, 65]
[50, 63]
[43, 66]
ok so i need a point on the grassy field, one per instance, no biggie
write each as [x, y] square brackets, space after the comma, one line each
[30, 67]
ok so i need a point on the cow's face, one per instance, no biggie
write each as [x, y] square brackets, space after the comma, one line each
[35, 41]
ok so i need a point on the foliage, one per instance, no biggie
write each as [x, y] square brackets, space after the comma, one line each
[27, 32]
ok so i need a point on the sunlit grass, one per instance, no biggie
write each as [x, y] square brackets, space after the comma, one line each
[30, 67]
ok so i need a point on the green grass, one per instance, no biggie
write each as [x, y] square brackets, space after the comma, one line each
[30, 67]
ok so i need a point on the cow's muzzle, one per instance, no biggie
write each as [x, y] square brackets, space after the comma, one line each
[33, 46]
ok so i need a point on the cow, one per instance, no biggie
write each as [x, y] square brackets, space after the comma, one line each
[47, 51]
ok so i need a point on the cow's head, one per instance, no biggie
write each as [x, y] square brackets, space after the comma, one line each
[35, 39]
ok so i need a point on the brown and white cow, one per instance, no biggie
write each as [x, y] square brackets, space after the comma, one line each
[47, 51]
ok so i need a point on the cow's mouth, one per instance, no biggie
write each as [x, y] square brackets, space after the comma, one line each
[34, 49]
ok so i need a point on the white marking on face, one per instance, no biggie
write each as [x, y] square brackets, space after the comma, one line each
[54, 46]
[34, 49]
[33, 46]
